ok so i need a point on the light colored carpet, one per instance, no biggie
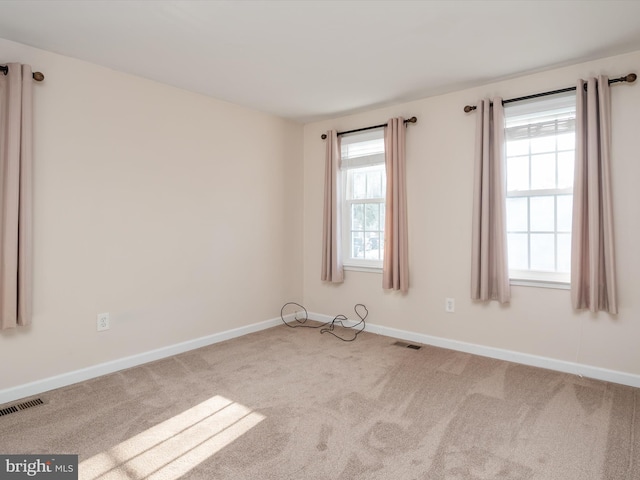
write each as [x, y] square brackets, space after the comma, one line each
[293, 404]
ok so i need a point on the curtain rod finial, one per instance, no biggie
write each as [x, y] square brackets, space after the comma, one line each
[631, 77]
[469, 108]
[38, 76]
[323, 136]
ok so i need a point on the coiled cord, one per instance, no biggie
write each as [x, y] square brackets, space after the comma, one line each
[329, 327]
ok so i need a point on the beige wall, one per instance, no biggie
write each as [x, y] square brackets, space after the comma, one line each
[177, 213]
[182, 216]
[539, 321]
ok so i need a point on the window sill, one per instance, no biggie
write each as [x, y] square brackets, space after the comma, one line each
[534, 278]
[521, 282]
[362, 268]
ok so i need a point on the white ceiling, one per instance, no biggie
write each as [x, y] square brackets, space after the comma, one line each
[307, 59]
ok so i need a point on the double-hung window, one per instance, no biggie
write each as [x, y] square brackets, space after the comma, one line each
[363, 179]
[540, 157]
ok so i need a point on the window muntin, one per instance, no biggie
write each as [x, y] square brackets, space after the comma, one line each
[540, 153]
[364, 187]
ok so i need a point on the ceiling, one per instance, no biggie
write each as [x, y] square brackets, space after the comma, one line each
[307, 60]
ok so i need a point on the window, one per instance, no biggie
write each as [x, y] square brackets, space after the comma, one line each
[363, 178]
[540, 157]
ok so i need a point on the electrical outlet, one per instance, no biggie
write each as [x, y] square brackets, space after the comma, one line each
[103, 321]
[449, 305]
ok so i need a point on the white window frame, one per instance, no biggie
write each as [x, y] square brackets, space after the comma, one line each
[360, 158]
[529, 277]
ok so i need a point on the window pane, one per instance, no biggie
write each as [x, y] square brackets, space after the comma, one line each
[542, 252]
[518, 173]
[374, 185]
[357, 216]
[566, 161]
[565, 212]
[518, 251]
[564, 252]
[543, 144]
[543, 171]
[359, 186]
[517, 147]
[517, 220]
[357, 245]
[567, 141]
[372, 216]
[372, 246]
[542, 214]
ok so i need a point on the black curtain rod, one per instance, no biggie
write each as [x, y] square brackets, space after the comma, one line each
[627, 78]
[37, 76]
[408, 120]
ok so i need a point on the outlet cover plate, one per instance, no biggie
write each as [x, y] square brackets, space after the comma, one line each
[449, 305]
[103, 321]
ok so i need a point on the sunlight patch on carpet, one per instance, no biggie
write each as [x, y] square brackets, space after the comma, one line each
[172, 448]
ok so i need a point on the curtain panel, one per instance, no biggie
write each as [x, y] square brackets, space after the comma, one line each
[15, 196]
[332, 269]
[395, 271]
[489, 267]
[593, 283]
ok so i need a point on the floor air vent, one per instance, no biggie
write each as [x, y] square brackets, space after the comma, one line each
[407, 345]
[20, 406]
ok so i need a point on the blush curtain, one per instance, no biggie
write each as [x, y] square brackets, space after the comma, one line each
[15, 196]
[593, 283]
[332, 269]
[395, 271]
[489, 267]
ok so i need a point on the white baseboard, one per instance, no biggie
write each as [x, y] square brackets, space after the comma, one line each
[41, 386]
[58, 381]
[579, 369]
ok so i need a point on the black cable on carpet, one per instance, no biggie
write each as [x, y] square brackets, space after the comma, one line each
[329, 327]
